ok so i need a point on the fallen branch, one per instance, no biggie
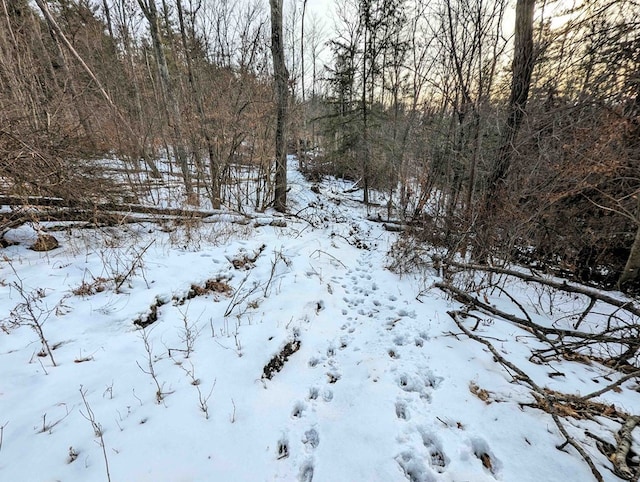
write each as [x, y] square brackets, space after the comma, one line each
[522, 376]
[628, 306]
[535, 328]
[624, 439]
[611, 386]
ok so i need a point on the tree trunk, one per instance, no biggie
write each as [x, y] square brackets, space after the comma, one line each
[522, 67]
[631, 272]
[281, 85]
[174, 117]
[197, 98]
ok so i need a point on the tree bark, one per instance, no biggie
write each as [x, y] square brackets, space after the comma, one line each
[631, 272]
[196, 92]
[172, 107]
[522, 66]
[281, 86]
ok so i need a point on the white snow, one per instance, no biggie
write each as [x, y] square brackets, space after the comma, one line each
[378, 391]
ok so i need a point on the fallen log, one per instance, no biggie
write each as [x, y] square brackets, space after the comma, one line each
[628, 305]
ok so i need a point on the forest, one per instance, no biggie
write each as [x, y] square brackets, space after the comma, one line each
[507, 132]
[330, 240]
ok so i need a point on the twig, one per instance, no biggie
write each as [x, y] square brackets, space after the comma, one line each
[524, 377]
[233, 415]
[539, 330]
[564, 286]
[202, 399]
[611, 386]
[515, 302]
[584, 314]
[238, 297]
[2, 433]
[30, 313]
[97, 429]
[330, 255]
[133, 267]
[150, 366]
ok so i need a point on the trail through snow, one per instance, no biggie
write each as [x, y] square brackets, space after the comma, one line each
[377, 391]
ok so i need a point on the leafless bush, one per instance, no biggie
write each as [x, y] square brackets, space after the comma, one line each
[97, 431]
[150, 365]
[32, 312]
[120, 265]
[203, 400]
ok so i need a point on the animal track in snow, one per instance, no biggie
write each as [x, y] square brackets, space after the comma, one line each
[421, 383]
[327, 395]
[482, 451]
[298, 409]
[401, 410]
[409, 314]
[333, 377]
[413, 468]
[306, 472]
[400, 340]
[314, 361]
[283, 448]
[313, 393]
[437, 457]
[311, 438]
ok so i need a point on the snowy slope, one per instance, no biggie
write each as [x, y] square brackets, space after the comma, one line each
[379, 389]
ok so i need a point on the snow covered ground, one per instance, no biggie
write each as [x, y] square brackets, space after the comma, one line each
[378, 384]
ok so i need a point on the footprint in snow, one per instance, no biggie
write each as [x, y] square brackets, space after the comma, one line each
[482, 451]
[422, 383]
[401, 410]
[437, 458]
[313, 393]
[400, 340]
[413, 468]
[333, 377]
[282, 450]
[314, 361]
[298, 410]
[410, 314]
[306, 472]
[311, 439]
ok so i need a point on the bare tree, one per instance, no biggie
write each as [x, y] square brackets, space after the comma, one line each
[522, 68]
[169, 98]
[281, 85]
